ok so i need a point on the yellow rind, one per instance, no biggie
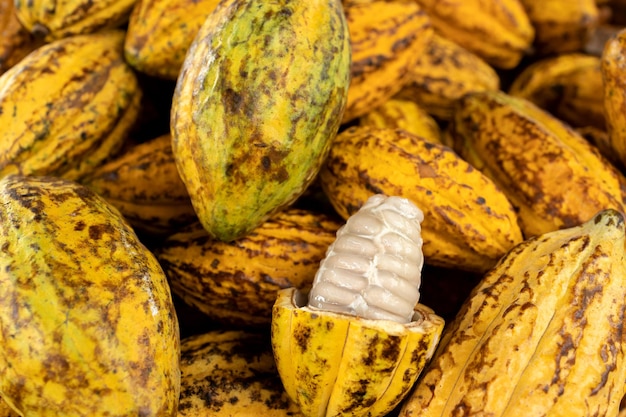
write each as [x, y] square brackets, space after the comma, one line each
[569, 86]
[335, 365]
[87, 323]
[144, 184]
[444, 73]
[614, 78]
[561, 26]
[499, 31]
[160, 33]
[387, 38]
[53, 19]
[551, 174]
[468, 222]
[231, 373]
[406, 115]
[15, 41]
[540, 335]
[67, 107]
[253, 118]
[236, 282]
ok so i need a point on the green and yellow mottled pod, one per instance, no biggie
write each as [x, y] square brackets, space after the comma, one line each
[540, 335]
[468, 222]
[614, 79]
[236, 282]
[144, 185]
[231, 373]
[54, 19]
[87, 323]
[67, 106]
[553, 176]
[334, 364]
[160, 32]
[259, 99]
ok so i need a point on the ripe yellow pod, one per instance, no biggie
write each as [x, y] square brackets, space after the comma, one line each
[614, 78]
[67, 106]
[160, 33]
[358, 345]
[469, 222]
[231, 373]
[499, 31]
[387, 39]
[561, 26]
[52, 19]
[15, 41]
[144, 184]
[236, 282]
[445, 72]
[87, 323]
[540, 335]
[403, 114]
[533, 157]
[569, 86]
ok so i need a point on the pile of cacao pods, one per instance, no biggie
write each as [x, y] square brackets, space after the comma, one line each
[169, 167]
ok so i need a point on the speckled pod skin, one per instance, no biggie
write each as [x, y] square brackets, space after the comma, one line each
[468, 222]
[540, 335]
[160, 33]
[569, 86]
[67, 107]
[550, 173]
[403, 114]
[15, 41]
[499, 31]
[561, 26]
[257, 104]
[614, 78]
[334, 364]
[444, 73]
[231, 373]
[387, 39]
[236, 282]
[87, 324]
[144, 185]
[55, 19]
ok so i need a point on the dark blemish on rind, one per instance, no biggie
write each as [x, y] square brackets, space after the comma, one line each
[480, 200]
[302, 336]
[79, 226]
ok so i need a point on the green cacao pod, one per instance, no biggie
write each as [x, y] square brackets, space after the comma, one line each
[253, 117]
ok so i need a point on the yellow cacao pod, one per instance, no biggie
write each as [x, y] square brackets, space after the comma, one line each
[160, 33]
[499, 31]
[144, 184]
[236, 282]
[87, 323]
[52, 19]
[67, 106]
[469, 223]
[540, 335]
[387, 39]
[561, 26]
[533, 158]
[231, 373]
[569, 86]
[15, 41]
[614, 79]
[406, 115]
[334, 364]
[446, 71]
